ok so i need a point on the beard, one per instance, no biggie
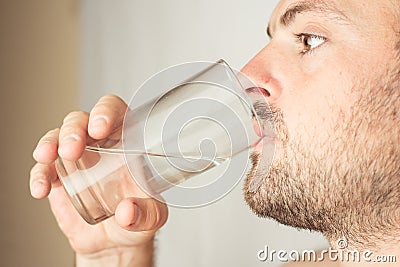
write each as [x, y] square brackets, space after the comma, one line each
[344, 185]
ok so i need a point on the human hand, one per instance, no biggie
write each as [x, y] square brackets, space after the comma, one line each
[126, 237]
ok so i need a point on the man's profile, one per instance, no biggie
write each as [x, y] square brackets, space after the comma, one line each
[331, 76]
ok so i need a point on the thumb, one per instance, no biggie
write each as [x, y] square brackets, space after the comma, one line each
[141, 214]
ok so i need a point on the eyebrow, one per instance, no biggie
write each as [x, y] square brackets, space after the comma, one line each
[320, 7]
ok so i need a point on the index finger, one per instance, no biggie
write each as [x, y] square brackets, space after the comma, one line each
[106, 116]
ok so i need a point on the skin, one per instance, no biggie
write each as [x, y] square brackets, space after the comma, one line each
[336, 129]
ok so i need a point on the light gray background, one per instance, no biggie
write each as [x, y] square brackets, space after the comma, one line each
[122, 44]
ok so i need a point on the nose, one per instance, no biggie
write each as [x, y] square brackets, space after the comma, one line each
[260, 70]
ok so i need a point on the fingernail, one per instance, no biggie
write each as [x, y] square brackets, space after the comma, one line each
[98, 123]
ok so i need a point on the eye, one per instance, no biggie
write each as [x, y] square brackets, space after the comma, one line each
[310, 41]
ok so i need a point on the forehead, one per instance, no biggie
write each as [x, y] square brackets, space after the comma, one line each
[366, 14]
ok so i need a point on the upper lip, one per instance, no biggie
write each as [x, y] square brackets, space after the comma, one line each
[263, 128]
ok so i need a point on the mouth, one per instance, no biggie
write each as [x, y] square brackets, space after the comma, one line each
[265, 133]
[264, 127]
[262, 142]
[262, 119]
[257, 127]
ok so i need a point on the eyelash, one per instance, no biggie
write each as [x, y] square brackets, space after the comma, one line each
[303, 37]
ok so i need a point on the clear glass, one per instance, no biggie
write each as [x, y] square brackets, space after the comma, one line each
[178, 143]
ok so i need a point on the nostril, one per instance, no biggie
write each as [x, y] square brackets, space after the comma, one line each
[265, 91]
[260, 90]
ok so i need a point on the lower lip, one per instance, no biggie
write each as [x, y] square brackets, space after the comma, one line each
[256, 127]
[258, 147]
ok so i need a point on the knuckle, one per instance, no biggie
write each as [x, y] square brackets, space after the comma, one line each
[110, 97]
[74, 115]
[162, 215]
[110, 104]
[72, 130]
[36, 171]
[50, 136]
[54, 131]
[33, 171]
[154, 216]
[101, 109]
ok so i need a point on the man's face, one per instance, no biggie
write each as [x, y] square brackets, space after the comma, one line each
[330, 69]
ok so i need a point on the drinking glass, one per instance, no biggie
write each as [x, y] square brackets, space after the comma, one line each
[186, 140]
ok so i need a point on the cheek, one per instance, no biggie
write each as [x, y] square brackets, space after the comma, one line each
[316, 104]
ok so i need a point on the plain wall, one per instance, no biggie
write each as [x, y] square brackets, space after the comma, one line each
[39, 85]
[124, 44]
